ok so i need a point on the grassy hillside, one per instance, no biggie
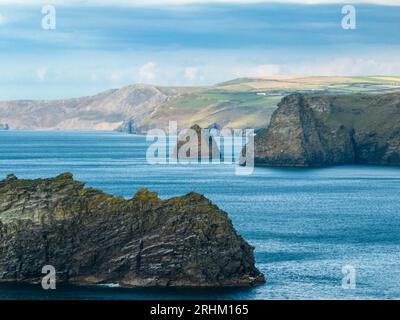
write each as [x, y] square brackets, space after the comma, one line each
[240, 103]
[248, 102]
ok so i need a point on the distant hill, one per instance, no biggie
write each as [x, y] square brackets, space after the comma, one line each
[240, 103]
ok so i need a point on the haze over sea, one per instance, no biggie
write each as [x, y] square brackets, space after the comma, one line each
[305, 224]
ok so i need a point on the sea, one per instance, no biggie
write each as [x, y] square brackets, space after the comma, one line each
[326, 233]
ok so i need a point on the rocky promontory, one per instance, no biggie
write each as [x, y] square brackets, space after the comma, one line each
[91, 237]
[323, 129]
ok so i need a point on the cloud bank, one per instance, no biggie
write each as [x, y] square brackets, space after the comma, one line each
[95, 49]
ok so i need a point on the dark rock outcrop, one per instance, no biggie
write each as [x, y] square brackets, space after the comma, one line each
[205, 144]
[91, 237]
[4, 126]
[323, 130]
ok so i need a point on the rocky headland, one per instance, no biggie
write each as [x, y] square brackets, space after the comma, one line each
[91, 237]
[311, 130]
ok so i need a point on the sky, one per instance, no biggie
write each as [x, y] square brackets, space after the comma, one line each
[99, 45]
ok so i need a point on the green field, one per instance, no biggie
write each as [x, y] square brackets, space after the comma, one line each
[249, 103]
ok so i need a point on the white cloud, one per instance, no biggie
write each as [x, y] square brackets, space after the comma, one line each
[147, 72]
[41, 73]
[345, 66]
[191, 73]
[333, 66]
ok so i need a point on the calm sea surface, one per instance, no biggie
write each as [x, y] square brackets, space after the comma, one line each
[306, 224]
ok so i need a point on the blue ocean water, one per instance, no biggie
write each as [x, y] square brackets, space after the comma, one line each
[305, 224]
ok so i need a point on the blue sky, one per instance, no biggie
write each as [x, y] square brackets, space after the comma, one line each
[99, 45]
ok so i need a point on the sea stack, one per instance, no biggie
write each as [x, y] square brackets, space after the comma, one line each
[197, 144]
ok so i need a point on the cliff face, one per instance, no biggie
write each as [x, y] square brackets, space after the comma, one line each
[323, 130]
[91, 237]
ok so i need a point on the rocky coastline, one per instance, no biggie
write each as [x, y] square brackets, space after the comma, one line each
[314, 130]
[91, 237]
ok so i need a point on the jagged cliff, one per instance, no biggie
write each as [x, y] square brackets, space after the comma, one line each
[91, 237]
[323, 130]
